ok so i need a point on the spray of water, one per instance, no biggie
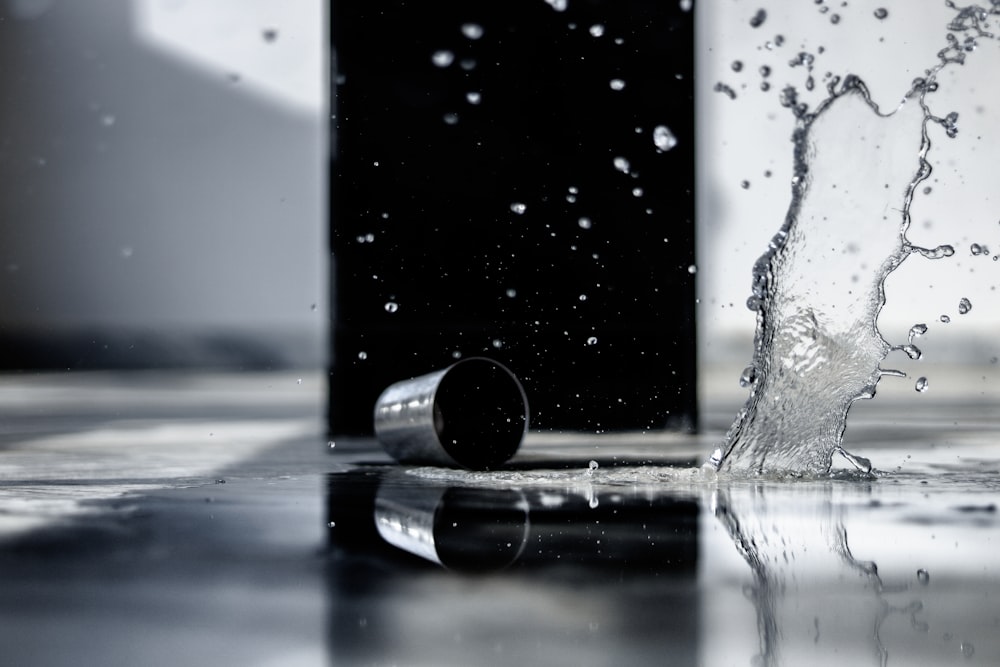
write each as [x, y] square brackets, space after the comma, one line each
[818, 289]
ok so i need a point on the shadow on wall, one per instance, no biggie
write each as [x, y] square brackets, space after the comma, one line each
[153, 213]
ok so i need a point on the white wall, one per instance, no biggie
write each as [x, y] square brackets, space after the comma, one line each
[163, 172]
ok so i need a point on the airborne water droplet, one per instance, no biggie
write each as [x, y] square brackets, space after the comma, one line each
[758, 19]
[622, 165]
[472, 30]
[923, 576]
[617, 84]
[881, 13]
[964, 306]
[749, 376]
[663, 138]
[921, 385]
[518, 207]
[916, 330]
[591, 467]
[391, 306]
[592, 340]
[443, 58]
[596, 30]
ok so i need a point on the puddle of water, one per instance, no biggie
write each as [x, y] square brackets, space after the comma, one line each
[892, 568]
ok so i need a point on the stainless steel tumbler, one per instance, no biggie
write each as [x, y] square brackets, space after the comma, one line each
[472, 414]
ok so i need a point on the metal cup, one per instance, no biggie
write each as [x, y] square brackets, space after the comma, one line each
[472, 414]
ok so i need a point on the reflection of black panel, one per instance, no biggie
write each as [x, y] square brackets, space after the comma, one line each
[540, 571]
[586, 294]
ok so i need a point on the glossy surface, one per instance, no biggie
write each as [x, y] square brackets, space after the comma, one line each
[163, 520]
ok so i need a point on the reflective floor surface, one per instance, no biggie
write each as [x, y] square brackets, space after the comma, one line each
[174, 519]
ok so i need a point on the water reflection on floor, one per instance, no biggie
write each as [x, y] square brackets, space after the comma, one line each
[170, 546]
[644, 565]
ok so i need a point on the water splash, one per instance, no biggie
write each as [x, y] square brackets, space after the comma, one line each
[817, 347]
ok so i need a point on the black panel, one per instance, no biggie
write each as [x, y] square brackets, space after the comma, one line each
[596, 318]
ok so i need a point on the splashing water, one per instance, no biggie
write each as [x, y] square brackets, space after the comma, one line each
[817, 347]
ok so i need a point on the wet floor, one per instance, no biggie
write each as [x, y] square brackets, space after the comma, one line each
[156, 520]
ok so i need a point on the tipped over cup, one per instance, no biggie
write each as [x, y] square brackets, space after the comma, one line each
[472, 414]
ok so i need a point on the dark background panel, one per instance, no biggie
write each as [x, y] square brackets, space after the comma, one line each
[507, 226]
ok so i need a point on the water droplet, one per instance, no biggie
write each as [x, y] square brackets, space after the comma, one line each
[331, 524]
[617, 84]
[686, 5]
[934, 253]
[944, 319]
[748, 376]
[765, 71]
[592, 466]
[692, 269]
[443, 58]
[518, 207]
[745, 185]
[737, 66]
[497, 343]
[912, 351]
[859, 462]
[663, 138]
[758, 19]
[582, 297]
[473, 97]
[835, 19]
[726, 90]
[921, 385]
[597, 30]
[968, 650]
[298, 381]
[584, 223]
[331, 444]
[362, 355]
[450, 118]
[107, 120]
[472, 30]
[511, 293]
[964, 306]
[391, 306]
[881, 13]
[622, 165]
[269, 34]
[636, 192]
[592, 340]
[558, 5]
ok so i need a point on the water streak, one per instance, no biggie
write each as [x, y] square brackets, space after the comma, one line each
[819, 287]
